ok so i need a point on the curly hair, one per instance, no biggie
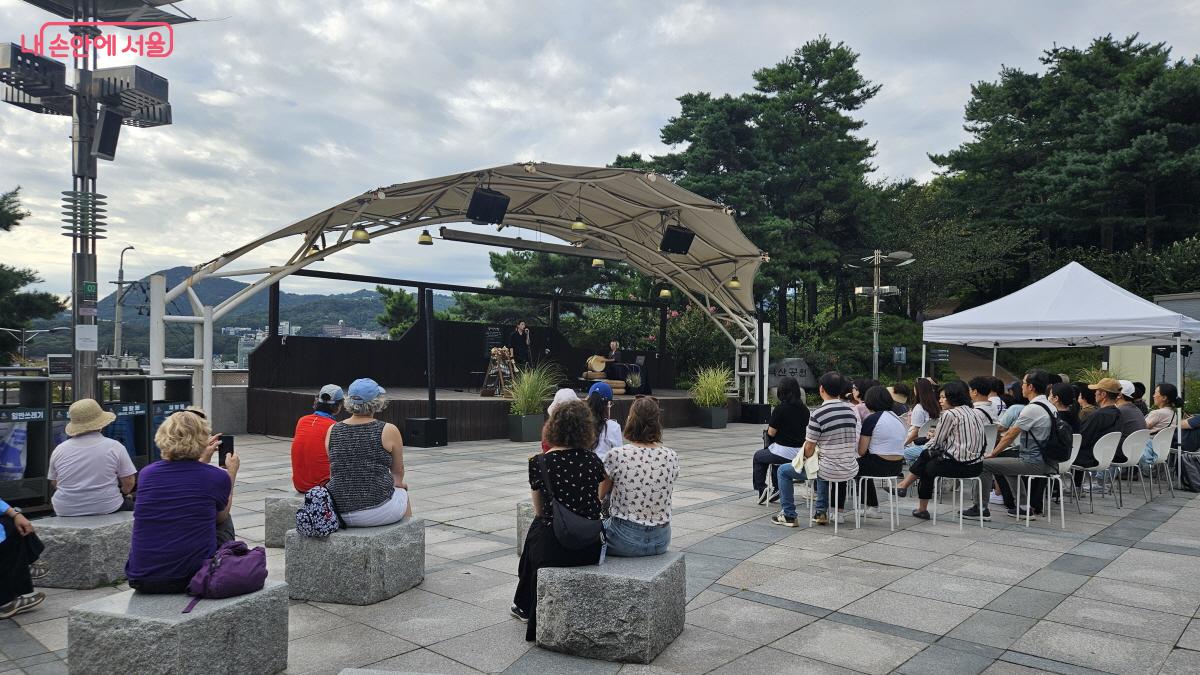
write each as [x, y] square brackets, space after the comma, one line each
[571, 426]
[367, 408]
[183, 435]
[644, 424]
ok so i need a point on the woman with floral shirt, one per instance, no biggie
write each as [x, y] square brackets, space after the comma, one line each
[641, 476]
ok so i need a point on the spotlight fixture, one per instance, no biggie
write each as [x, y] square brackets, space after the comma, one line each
[530, 167]
[380, 194]
[733, 283]
[314, 249]
[578, 226]
[665, 294]
[360, 235]
[597, 263]
[425, 239]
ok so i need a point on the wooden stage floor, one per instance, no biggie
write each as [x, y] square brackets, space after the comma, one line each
[421, 394]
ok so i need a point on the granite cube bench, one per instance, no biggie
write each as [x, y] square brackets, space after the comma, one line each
[85, 551]
[357, 565]
[627, 610]
[524, 519]
[135, 632]
[279, 517]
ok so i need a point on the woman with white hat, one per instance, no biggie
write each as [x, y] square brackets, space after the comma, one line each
[366, 461]
[91, 474]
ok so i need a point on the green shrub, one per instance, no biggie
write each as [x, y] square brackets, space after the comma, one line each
[532, 387]
[709, 385]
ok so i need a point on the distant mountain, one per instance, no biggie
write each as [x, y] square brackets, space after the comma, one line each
[310, 311]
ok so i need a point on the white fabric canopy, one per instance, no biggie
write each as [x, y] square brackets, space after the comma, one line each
[1073, 307]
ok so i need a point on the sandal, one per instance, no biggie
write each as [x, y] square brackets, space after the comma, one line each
[38, 569]
[20, 604]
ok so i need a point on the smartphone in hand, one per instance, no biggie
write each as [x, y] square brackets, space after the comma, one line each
[226, 448]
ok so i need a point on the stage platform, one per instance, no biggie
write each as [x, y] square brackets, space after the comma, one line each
[470, 417]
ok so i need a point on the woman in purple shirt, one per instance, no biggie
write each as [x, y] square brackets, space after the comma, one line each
[181, 513]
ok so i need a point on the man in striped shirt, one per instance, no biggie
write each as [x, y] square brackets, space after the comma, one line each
[833, 429]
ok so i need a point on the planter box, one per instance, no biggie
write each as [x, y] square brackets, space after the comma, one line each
[525, 428]
[712, 418]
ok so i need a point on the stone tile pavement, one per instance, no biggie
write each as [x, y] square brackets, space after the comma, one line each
[1115, 592]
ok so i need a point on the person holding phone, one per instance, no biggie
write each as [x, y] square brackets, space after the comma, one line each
[182, 512]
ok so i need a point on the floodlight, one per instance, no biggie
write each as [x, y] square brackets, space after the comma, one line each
[45, 105]
[30, 73]
[117, 10]
[129, 87]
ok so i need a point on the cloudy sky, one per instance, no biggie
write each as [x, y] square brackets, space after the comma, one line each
[282, 109]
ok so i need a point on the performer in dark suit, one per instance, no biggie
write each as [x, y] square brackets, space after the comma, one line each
[615, 370]
[519, 343]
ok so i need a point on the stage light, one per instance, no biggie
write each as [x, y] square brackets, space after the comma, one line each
[314, 249]
[597, 263]
[425, 239]
[665, 294]
[578, 226]
[733, 283]
[530, 167]
[380, 194]
[360, 235]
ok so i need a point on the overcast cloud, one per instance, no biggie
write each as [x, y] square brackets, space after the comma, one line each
[282, 109]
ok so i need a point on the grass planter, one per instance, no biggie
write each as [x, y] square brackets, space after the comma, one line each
[525, 428]
[712, 418]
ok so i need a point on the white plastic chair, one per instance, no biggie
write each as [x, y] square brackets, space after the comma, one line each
[1133, 446]
[1103, 452]
[937, 493]
[831, 508]
[891, 482]
[1162, 448]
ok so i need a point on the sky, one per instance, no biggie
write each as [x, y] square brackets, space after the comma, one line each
[283, 109]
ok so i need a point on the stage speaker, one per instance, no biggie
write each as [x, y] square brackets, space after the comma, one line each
[487, 206]
[676, 240]
[756, 413]
[108, 130]
[425, 432]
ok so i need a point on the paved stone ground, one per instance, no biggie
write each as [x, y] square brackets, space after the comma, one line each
[1116, 592]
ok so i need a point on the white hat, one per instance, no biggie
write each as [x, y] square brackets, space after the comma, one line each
[1126, 388]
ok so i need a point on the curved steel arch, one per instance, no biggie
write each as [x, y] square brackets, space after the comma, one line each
[624, 209]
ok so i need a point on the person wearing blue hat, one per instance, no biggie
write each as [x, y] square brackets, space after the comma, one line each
[608, 431]
[366, 461]
[310, 459]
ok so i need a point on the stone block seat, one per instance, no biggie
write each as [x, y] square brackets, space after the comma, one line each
[627, 610]
[524, 520]
[134, 632]
[280, 516]
[357, 565]
[85, 551]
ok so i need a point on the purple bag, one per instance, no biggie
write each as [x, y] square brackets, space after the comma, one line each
[236, 569]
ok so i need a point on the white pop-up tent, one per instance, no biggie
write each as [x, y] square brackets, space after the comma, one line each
[1073, 307]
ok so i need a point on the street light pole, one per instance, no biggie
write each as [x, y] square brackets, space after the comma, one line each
[120, 299]
[878, 259]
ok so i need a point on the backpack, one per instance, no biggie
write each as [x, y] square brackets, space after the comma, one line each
[317, 518]
[1058, 445]
[236, 569]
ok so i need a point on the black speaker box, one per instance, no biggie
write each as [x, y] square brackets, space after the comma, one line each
[425, 432]
[108, 131]
[487, 206]
[677, 240]
[756, 413]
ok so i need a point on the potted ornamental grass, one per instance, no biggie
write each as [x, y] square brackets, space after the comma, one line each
[708, 393]
[530, 390]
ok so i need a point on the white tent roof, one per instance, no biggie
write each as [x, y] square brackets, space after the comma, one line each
[1073, 307]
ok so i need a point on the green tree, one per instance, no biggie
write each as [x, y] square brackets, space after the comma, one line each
[399, 310]
[787, 157]
[18, 307]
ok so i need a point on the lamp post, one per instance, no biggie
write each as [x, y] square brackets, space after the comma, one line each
[877, 260]
[120, 298]
[24, 336]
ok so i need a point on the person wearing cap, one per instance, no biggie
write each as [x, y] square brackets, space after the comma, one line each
[366, 461]
[182, 511]
[91, 474]
[1132, 419]
[608, 431]
[1105, 419]
[310, 460]
[19, 564]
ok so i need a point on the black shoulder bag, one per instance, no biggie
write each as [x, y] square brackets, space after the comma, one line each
[572, 530]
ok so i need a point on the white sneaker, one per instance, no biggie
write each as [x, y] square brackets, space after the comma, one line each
[996, 499]
[871, 512]
[840, 516]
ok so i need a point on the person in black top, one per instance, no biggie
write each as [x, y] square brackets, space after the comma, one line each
[1064, 397]
[575, 474]
[1106, 419]
[784, 437]
[519, 343]
[615, 370]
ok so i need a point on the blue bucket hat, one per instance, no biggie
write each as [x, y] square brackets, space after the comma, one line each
[603, 389]
[364, 390]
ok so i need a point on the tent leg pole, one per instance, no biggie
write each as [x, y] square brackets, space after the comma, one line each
[993, 361]
[922, 359]
[1179, 427]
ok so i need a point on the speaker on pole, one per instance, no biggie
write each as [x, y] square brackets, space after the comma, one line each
[677, 240]
[108, 131]
[487, 206]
